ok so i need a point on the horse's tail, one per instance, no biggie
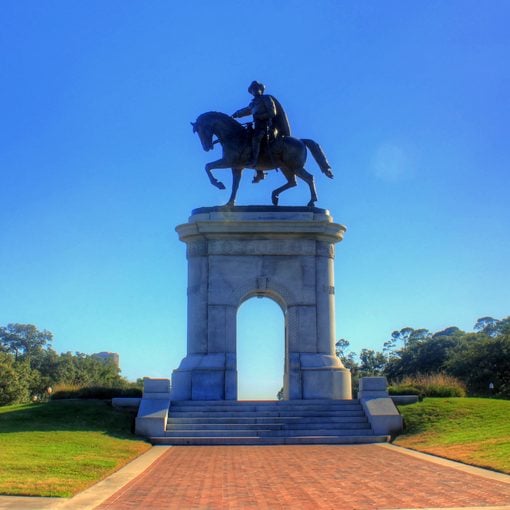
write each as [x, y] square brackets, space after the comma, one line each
[319, 156]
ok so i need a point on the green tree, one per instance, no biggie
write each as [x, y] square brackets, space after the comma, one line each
[409, 337]
[493, 327]
[46, 363]
[425, 354]
[84, 370]
[371, 362]
[487, 325]
[401, 340]
[24, 340]
[477, 359]
[14, 380]
[480, 360]
[504, 326]
[427, 358]
[28, 365]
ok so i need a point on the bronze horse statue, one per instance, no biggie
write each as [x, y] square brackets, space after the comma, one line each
[285, 153]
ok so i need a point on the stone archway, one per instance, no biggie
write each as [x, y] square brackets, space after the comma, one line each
[260, 348]
[282, 252]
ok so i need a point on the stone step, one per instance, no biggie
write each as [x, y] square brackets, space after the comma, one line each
[278, 403]
[261, 414]
[267, 422]
[268, 433]
[253, 440]
[263, 406]
[271, 408]
[270, 425]
[351, 418]
[277, 409]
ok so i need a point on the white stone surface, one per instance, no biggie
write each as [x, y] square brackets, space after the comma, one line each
[379, 407]
[286, 255]
[154, 385]
[153, 411]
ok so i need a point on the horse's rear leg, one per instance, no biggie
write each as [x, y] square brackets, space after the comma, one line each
[308, 178]
[236, 179]
[291, 183]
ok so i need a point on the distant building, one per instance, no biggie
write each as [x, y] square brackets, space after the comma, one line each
[112, 357]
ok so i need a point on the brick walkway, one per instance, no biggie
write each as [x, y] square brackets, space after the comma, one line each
[302, 477]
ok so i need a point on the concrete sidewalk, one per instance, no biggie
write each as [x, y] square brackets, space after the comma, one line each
[298, 477]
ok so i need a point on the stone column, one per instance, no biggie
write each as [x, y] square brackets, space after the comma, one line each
[325, 298]
[198, 276]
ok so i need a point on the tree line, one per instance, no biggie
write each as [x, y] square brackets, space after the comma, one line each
[480, 359]
[29, 366]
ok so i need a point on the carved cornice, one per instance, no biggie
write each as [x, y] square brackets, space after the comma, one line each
[320, 230]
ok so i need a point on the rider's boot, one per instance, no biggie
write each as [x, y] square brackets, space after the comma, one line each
[255, 150]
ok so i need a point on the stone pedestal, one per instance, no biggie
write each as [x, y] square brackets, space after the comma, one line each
[284, 253]
[379, 408]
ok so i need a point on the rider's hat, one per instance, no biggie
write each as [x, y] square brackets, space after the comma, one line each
[256, 85]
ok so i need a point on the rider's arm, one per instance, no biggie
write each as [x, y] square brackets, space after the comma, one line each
[243, 112]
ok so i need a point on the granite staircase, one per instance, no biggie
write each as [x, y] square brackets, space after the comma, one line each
[267, 423]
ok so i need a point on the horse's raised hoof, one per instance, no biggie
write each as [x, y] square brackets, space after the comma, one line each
[259, 176]
[274, 199]
[329, 173]
[219, 185]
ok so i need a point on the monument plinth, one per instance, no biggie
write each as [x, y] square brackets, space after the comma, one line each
[283, 253]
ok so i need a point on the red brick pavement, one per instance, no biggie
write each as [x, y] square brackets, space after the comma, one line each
[302, 477]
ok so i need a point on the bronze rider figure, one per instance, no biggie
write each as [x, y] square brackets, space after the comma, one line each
[269, 119]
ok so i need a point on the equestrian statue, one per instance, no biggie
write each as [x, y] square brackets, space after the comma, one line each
[266, 144]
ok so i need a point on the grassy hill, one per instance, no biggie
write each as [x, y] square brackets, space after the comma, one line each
[475, 431]
[60, 448]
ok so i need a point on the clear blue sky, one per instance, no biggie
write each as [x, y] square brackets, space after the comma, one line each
[410, 100]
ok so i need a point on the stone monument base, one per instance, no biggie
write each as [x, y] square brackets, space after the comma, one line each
[214, 377]
[322, 377]
[205, 377]
[283, 253]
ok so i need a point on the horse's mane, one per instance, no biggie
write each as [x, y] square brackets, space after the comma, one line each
[212, 116]
[215, 114]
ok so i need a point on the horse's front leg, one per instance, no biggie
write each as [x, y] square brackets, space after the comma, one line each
[220, 163]
[236, 179]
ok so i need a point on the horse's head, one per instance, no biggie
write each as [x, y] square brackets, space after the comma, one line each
[219, 124]
[205, 132]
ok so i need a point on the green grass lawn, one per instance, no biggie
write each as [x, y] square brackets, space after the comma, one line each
[475, 431]
[60, 448]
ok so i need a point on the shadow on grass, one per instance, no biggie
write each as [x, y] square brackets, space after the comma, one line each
[68, 415]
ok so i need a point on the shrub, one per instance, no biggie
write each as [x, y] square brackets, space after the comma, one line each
[403, 389]
[66, 391]
[431, 385]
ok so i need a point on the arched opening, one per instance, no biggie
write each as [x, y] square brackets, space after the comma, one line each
[260, 349]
